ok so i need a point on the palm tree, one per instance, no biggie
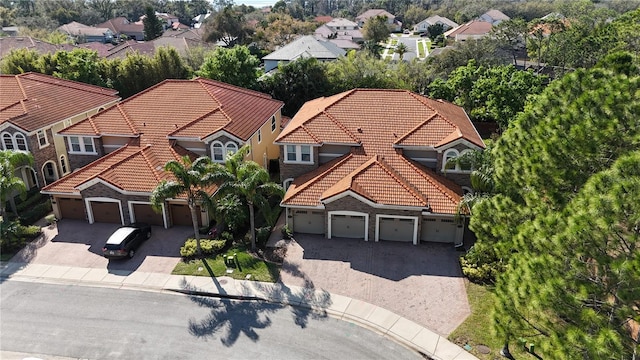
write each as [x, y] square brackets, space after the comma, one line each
[249, 181]
[191, 179]
[9, 183]
[401, 49]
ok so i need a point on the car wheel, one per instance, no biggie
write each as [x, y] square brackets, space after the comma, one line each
[148, 234]
[131, 253]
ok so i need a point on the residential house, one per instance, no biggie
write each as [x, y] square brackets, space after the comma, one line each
[371, 164]
[475, 29]
[303, 47]
[340, 28]
[10, 30]
[394, 24]
[81, 33]
[193, 34]
[10, 43]
[323, 19]
[121, 26]
[494, 17]
[423, 25]
[167, 20]
[103, 50]
[118, 155]
[199, 19]
[148, 48]
[34, 108]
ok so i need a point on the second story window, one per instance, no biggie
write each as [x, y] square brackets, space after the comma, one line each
[219, 152]
[259, 136]
[42, 138]
[81, 145]
[273, 123]
[298, 154]
[16, 141]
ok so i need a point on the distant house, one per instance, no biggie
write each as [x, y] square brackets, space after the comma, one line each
[494, 17]
[9, 43]
[391, 19]
[474, 29]
[85, 34]
[193, 34]
[303, 47]
[100, 48]
[341, 29]
[34, 108]
[10, 30]
[423, 25]
[322, 19]
[199, 19]
[167, 19]
[121, 26]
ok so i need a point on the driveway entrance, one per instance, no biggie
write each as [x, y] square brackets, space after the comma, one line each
[420, 282]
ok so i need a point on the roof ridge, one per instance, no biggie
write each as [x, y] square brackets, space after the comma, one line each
[320, 176]
[403, 137]
[232, 87]
[146, 159]
[126, 119]
[310, 134]
[445, 190]
[52, 80]
[201, 117]
[24, 93]
[401, 179]
[424, 100]
[341, 126]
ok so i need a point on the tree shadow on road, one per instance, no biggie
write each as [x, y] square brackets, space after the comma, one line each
[247, 309]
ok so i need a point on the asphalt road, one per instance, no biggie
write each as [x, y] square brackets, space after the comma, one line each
[100, 323]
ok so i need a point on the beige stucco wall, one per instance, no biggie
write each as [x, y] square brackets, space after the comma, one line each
[266, 145]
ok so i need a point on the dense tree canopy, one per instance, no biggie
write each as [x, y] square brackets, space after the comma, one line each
[376, 29]
[228, 26]
[152, 25]
[563, 223]
[234, 66]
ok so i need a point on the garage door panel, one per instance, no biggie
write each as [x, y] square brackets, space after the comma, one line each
[438, 230]
[308, 222]
[348, 226]
[181, 215]
[145, 213]
[395, 229]
[71, 208]
[106, 212]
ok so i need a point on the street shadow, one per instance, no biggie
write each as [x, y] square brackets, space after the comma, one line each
[247, 311]
[387, 259]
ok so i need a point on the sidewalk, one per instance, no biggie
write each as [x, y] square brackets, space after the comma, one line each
[359, 312]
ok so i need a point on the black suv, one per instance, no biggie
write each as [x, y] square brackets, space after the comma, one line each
[125, 240]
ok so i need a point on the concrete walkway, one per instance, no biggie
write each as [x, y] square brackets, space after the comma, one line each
[359, 312]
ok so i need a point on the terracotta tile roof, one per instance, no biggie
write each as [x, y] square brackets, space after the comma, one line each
[172, 109]
[10, 43]
[32, 101]
[472, 28]
[376, 120]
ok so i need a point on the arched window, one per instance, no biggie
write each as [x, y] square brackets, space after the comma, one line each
[63, 164]
[7, 141]
[21, 141]
[467, 190]
[465, 165]
[217, 152]
[232, 148]
[49, 172]
[449, 155]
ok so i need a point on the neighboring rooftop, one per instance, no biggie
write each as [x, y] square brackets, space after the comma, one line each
[31, 101]
[9, 43]
[304, 47]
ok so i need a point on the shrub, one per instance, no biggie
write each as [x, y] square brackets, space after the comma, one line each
[226, 236]
[262, 234]
[51, 218]
[286, 231]
[14, 236]
[209, 247]
[30, 232]
[35, 213]
[33, 199]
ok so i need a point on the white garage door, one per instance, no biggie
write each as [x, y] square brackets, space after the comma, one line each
[308, 222]
[347, 226]
[395, 229]
[438, 230]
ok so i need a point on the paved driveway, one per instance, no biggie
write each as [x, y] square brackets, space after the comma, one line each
[422, 283]
[79, 244]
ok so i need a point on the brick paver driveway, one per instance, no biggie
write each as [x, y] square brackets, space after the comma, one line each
[79, 244]
[422, 283]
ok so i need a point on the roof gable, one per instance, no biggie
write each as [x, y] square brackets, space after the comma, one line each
[306, 46]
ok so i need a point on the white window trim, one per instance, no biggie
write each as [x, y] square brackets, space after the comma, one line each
[55, 171]
[81, 143]
[274, 124]
[298, 155]
[44, 136]
[64, 164]
[259, 135]
[225, 153]
[286, 183]
[457, 169]
[14, 141]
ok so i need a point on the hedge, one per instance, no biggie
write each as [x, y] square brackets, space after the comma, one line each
[209, 247]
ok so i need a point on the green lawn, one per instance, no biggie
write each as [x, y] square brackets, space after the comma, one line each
[476, 330]
[246, 264]
[421, 53]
